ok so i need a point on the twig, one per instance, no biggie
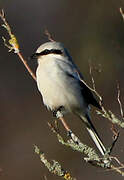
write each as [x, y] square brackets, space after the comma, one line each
[121, 13]
[119, 101]
[26, 65]
[13, 44]
[45, 178]
[115, 137]
[117, 170]
[117, 160]
[111, 117]
[49, 36]
[77, 145]
[94, 86]
[92, 79]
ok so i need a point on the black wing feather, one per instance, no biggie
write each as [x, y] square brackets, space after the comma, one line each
[87, 93]
[88, 96]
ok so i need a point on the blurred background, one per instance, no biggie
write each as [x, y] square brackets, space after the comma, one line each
[93, 32]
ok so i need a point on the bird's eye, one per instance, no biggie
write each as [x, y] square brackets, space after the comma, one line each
[34, 56]
[45, 52]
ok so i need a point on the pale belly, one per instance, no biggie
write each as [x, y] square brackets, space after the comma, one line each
[58, 90]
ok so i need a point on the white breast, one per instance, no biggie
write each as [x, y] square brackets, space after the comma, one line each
[55, 86]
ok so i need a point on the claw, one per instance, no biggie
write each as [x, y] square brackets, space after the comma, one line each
[59, 114]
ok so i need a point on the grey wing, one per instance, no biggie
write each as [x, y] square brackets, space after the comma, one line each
[86, 92]
[71, 70]
[88, 95]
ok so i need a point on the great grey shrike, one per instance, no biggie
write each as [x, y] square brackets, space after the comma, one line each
[61, 87]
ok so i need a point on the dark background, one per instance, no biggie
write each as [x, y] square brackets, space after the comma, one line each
[92, 30]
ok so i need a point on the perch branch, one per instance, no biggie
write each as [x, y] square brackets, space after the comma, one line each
[92, 156]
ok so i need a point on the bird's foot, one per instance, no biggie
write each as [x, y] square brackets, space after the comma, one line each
[73, 137]
[58, 113]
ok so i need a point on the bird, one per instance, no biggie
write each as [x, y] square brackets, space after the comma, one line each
[59, 82]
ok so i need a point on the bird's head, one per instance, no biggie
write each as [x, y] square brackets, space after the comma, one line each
[51, 49]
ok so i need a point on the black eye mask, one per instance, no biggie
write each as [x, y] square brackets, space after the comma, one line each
[45, 52]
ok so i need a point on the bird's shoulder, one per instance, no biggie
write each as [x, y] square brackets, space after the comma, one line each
[73, 72]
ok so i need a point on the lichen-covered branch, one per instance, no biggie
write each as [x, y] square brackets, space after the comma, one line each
[92, 157]
[111, 117]
[54, 167]
[77, 145]
[13, 44]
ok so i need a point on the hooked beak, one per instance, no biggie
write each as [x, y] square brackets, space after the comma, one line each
[34, 56]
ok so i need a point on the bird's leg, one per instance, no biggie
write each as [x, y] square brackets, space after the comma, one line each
[55, 112]
[59, 115]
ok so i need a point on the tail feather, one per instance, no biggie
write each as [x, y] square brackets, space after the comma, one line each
[97, 141]
[94, 135]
